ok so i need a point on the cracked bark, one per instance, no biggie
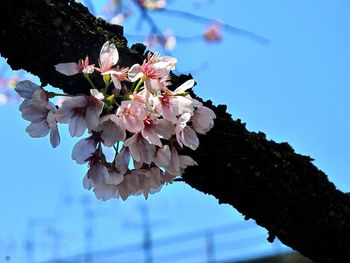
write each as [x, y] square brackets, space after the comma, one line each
[266, 181]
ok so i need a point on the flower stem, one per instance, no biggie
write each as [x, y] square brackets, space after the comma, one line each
[138, 85]
[86, 76]
[54, 94]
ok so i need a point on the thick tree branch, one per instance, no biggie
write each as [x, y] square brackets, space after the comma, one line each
[283, 191]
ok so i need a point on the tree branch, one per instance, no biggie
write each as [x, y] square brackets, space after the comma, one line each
[283, 191]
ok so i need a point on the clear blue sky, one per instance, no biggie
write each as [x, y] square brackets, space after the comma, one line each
[295, 89]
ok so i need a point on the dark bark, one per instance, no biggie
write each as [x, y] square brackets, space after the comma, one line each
[266, 181]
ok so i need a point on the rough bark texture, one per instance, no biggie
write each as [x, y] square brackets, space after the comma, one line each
[283, 191]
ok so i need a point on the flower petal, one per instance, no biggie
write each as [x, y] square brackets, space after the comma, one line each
[26, 88]
[68, 69]
[135, 72]
[111, 130]
[163, 156]
[151, 136]
[77, 126]
[114, 178]
[185, 86]
[109, 55]
[189, 138]
[38, 129]
[55, 138]
[83, 149]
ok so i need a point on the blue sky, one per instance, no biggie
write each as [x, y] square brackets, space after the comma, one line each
[295, 89]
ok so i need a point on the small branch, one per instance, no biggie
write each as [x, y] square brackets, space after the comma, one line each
[231, 29]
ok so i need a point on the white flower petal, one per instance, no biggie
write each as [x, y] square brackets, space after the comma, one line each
[185, 161]
[92, 117]
[111, 130]
[32, 113]
[55, 138]
[39, 98]
[174, 166]
[129, 186]
[109, 55]
[87, 183]
[69, 69]
[203, 119]
[135, 72]
[151, 136]
[83, 149]
[122, 160]
[184, 87]
[163, 156]
[105, 191]
[114, 178]
[39, 129]
[189, 138]
[98, 95]
[117, 85]
[184, 105]
[77, 126]
[165, 129]
[26, 88]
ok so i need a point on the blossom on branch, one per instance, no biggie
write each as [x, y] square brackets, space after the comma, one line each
[145, 122]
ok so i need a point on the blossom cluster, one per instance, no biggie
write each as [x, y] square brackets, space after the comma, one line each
[140, 119]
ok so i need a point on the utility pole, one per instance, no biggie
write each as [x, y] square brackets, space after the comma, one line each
[88, 234]
[210, 247]
[147, 234]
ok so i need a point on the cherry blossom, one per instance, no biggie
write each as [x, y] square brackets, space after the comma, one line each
[155, 67]
[148, 124]
[81, 112]
[98, 178]
[132, 114]
[39, 111]
[172, 103]
[185, 135]
[72, 68]
[111, 131]
[140, 149]
[203, 119]
[84, 149]
[109, 57]
[213, 32]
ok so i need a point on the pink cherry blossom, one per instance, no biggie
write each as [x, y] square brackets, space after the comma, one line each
[173, 168]
[163, 156]
[26, 89]
[132, 114]
[185, 135]
[151, 124]
[140, 149]
[155, 67]
[185, 161]
[156, 129]
[84, 149]
[122, 160]
[173, 103]
[72, 68]
[39, 111]
[98, 178]
[129, 186]
[213, 33]
[203, 119]
[109, 56]
[149, 179]
[45, 124]
[81, 112]
[111, 131]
